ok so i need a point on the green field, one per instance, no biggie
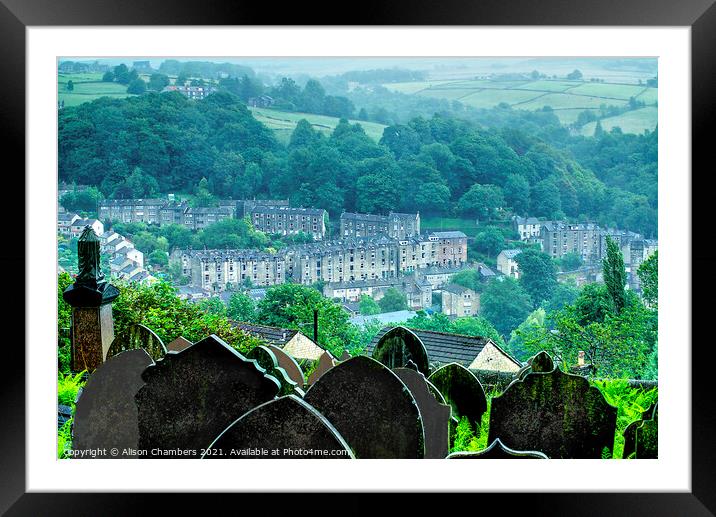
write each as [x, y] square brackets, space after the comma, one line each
[284, 122]
[87, 87]
[636, 121]
[567, 98]
[467, 226]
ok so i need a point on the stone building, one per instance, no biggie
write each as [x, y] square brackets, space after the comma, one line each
[528, 228]
[164, 211]
[507, 264]
[346, 260]
[560, 238]
[394, 225]
[245, 206]
[451, 248]
[285, 220]
[131, 210]
[459, 301]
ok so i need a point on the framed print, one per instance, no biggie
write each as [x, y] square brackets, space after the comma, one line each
[435, 237]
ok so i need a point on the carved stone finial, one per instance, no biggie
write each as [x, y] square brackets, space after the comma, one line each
[90, 289]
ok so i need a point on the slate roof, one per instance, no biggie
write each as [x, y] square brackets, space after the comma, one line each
[384, 317]
[455, 289]
[442, 347]
[510, 253]
[272, 335]
[449, 235]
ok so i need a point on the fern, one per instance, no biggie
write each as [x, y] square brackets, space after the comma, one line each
[67, 387]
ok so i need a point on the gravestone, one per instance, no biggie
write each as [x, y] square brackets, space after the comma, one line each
[497, 451]
[647, 437]
[106, 414]
[289, 364]
[136, 337]
[462, 390]
[435, 414]
[325, 363]
[344, 356]
[90, 297]
[179, 344]
[267, 360]
[193, 395]
[630, 432]
[398, 346]
[283, 428]
[556, 413]
[371, 408]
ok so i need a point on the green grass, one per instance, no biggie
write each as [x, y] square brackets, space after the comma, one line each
[438, 224]
[87, 87]
[567, 98]
[617, 91]
[636, 121]
[491, 98]
[82, 77]
[284, 122]
[649, 96]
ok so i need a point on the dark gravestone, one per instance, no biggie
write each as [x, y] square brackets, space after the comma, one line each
[647, 437]
[179, 344]
[106, 414]
[555, 413]
[371, 408]
[193, 395]
[325, 363]
[630, 432]
[267, 360]
[497, 451]
[398, 346]
[282, 428]
[462, 390]
[289, 364]
[540, 362]
[136, 337]
[435, 414]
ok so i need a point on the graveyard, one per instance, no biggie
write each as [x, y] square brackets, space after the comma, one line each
[138, 398]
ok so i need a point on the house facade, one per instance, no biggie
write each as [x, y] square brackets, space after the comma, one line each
[284, 220]
[459, 301]
[394, 225]
[507, 264]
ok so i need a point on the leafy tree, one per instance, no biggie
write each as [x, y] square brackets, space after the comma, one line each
[517, 193]
[593, 304]
[469, 278]
[368, 306]
[159, 258]
[489, 241]
[564, 294]
[393, 300]
[292, 305]
[108, 76]
[649, 277]
[481, 201]
[537, 274]
[505, 304]
[614, 274]
[82, 200]
[121, 74]
[213, 306]
[534, 321]
[571, 261]
[202, 195]
[137, 87]
[241, 307]
[70, 85]
[158, 82]
[576, 75]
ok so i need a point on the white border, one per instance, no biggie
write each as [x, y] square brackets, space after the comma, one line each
[670, 472]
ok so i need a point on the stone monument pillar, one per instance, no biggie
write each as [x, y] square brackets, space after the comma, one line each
[91, 299]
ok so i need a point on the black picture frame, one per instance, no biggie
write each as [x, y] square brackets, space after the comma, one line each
[699, 15]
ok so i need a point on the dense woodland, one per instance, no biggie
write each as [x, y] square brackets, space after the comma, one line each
[483, 165]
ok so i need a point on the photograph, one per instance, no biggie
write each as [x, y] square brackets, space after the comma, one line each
[342, 257]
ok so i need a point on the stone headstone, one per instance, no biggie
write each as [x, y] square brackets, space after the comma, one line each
[136, 337]
[647, 437]
[288, 363]
[325, 363]
[179, 344]
[398, 346]
[193, 395]
[106, 414]
[556, 413]
[371, 408]
[497, 451]
[462, 390]
[283, 428]
[435, 414]
[630, 432]
[267, 360]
